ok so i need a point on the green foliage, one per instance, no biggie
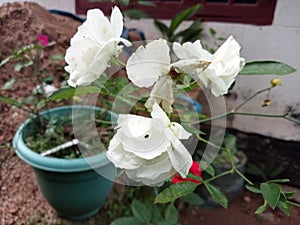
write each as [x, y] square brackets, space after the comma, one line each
[217, 195]
[273, 196]
[266, 68]
[175, 191]
[191, 34]
[269, 171]
[152, 214]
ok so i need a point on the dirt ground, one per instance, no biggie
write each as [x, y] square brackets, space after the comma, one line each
[20, 199]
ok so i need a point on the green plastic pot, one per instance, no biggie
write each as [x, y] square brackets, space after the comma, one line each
[75, 188]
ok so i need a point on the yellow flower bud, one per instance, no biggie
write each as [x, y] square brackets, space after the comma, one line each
[266, 103]
[275, 82]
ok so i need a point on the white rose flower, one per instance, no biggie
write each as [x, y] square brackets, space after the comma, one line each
[148, 149]
[147, 66]
[225, 64]
[92, 47]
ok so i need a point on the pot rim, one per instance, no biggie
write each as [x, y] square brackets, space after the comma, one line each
[57, 164]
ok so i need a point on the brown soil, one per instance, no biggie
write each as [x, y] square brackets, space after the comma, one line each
[20, 199]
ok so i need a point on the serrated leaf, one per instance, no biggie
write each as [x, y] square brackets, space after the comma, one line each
[171, 215]
[126, 221]
[217, 195]
[140, 211]
[266, 68]
[71, 92]
[261, 209]
[175, 191]
[271, 193]
[253, 189]
[192, 199]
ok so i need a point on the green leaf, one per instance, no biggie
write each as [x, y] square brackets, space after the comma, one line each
[57, 57]
[140, 211]
[161, 27]
[255, 170]
[217, 195]
[261, 209]
[6, 60]
[208, 168]
[212, 32]
[155, 214]
[126, 221]
[288, 194]
[19, 66]
[146, 3]
[10, 101]
[71, 92]
[266, 68]
[136, 14]
[175, 191]
[192, 199]
[171, 214]
[279, 181]
[179, 18]
[253, 189]
[271, 193]
[192, 129]
[195, 28]
[9, 85]
[284, 206]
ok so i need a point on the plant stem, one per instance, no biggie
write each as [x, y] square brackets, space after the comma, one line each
[250, 98]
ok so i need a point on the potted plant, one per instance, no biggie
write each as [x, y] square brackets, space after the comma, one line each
[72, 170]
[78, 187]
[146, 146]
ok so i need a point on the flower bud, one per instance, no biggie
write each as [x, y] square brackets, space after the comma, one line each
[275, 82]
[266, 103]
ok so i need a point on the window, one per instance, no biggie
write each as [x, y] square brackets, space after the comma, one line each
[258, 12]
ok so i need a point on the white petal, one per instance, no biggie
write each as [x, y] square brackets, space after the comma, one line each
[116, 20]
[190, 66]
[158, 113]
[121, 158]
[179, 131]
[140, 136]
[180, 158]
[154, 172]
[162, 92]
[148, 63]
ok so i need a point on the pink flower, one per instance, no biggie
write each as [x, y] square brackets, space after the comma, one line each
[43, 40]
[195, 170]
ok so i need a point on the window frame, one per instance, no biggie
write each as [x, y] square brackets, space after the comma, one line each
[260, 13]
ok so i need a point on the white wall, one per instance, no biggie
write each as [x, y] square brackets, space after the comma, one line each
[279, 41]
